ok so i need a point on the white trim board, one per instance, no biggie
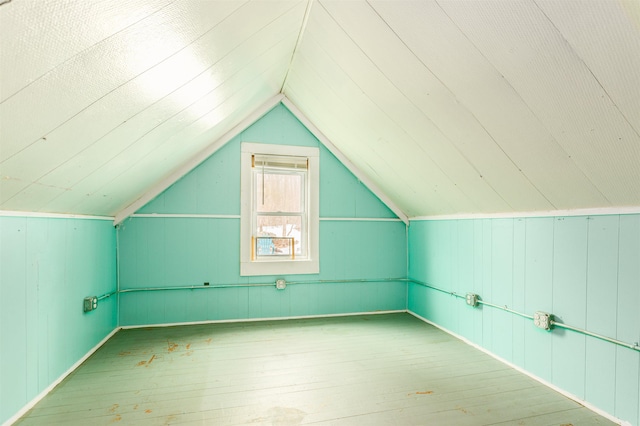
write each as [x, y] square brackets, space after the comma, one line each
[190, 216]
[525, 372]
[602, 211]
[56, 382]
[360, 219]
[344, 160]
[233, 216]
[241, 320]
[197, 159]
[10, 213]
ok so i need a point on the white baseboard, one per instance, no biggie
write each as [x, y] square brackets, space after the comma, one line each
[526, 373]
[351, 314]
[56, 382]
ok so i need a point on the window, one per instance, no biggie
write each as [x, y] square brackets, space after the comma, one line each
[279, 210]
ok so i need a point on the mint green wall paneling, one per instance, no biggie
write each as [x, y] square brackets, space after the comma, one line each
[627, 406]
[13, 330]
[281, 127]
[48, 267]
[519, 262]
[502, 289]
[487, 283]
[478, 276]
[337, 188]
[156, 252]
[201, 191]
[219, 179]
[417, 250]
[416, 299]
[538, 293]
[180, 248]
[569, 302]
[557, 265]
[343, 195]
[356, 250]
[183, 198]
[464, 276]
[602, 298]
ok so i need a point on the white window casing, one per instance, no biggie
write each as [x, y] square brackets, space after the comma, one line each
[296, 164]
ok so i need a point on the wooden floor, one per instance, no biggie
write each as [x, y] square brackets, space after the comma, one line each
[364, 370]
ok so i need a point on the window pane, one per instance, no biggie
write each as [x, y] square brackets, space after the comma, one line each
[279, 192]
[285, 233]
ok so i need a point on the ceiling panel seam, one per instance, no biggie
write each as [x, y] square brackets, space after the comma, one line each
[541, 123]
[303, 27]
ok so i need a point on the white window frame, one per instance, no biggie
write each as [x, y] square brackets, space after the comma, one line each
[310, 264]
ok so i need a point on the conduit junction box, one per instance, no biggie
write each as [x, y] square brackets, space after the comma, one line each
[542, 320]
[90, 303]
[472, 299]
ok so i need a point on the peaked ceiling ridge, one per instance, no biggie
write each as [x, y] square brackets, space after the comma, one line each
[303, 27]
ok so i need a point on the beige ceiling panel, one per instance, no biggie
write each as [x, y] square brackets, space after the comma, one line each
[520, 41]
[188, 102]
[78, 83]
[606, 36]
[40, 35]
[493, 103]
[430, 112]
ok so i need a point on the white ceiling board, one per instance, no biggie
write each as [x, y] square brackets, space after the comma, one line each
[425, 155]
[153, 108]
[48, 33]
[492, 102]
[153, 50]
[520, 41]
[184, 104]
[85, 79]
[340, 122]
[606, 36]
[430, 112]
[128, 176]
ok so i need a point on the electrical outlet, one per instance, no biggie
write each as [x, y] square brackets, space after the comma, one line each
[472, 299]
[542, 320]
[281, 284]
[90, 303]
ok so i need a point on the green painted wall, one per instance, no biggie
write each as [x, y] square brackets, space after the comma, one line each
[584, 270]
[162, 252]
[47, 267]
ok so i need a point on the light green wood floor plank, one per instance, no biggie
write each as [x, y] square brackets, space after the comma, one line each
[369, 370]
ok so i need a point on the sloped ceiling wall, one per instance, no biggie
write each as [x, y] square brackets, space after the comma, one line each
[447, 106]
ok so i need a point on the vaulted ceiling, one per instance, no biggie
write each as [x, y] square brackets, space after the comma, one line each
[447, 106]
